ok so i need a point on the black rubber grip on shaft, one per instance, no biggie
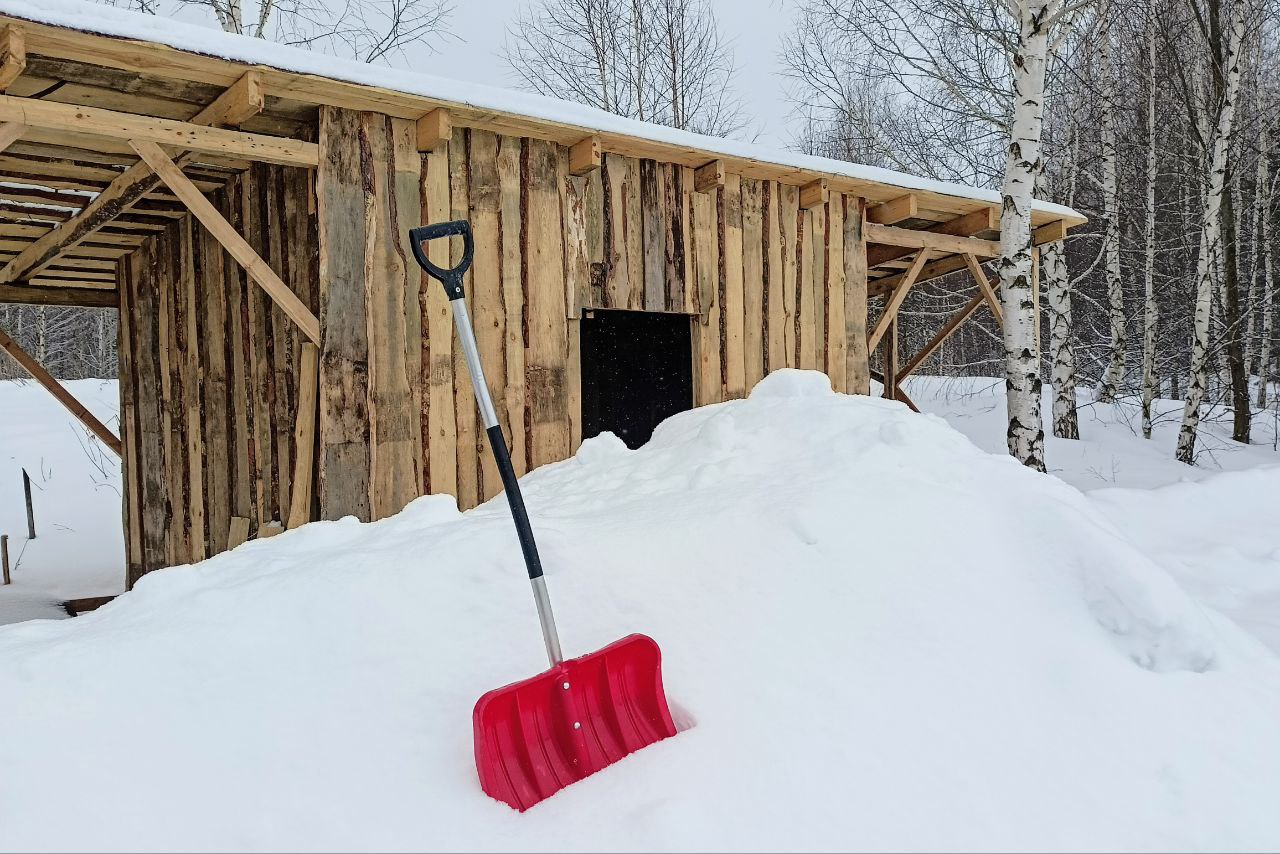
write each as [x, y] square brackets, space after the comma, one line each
[451, 277]
[515, 501]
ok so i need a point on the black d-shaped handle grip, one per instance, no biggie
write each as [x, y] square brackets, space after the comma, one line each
[450, 278]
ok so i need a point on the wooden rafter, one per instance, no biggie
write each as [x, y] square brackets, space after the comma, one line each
[895, 300]
[709, 176]
[44, 295]
[238, 103]
[585, 156]
[51, 385]
[10, 132]
[13, 54]
[231, 240]
[434, 130]
[94, 121]
[894, 210]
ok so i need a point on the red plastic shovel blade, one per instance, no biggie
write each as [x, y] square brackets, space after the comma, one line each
[535, 737]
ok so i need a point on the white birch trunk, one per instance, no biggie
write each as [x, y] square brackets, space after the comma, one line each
[1113, 378]
[1209, 233]
[1022, 166]
[1066, 424]
[1150, 316]
[1266, 261]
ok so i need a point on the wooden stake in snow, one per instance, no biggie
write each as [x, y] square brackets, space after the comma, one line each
[31, 514]
[4, 558]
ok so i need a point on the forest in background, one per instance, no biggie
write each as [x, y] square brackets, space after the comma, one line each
[1159, 124]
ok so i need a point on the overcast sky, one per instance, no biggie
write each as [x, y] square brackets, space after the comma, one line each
[753, 26]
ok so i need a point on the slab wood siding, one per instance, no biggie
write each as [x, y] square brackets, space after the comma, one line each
[209, 366]
[208, 374]
[767, 285]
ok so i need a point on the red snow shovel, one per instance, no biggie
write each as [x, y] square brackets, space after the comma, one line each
[535, 737]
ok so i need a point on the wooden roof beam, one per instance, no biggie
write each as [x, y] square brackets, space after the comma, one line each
[894, 210]
[965, 225]
[814, 193]
[236, 246]
[10, 132]
[434, 130]
[942, 243]
[1049, 232]
[585, 156]
[709, 176]
[239, 102]
[22, 294]
[94, 121]
[13, 54]
[51, 385]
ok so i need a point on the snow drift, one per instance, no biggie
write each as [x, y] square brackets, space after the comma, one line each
[876, 636]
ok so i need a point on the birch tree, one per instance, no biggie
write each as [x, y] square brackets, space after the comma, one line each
[1265, 265]
[1150, 308]
[1210, 230]
[1114, 376]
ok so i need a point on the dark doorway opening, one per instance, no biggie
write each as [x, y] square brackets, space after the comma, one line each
[637, 370]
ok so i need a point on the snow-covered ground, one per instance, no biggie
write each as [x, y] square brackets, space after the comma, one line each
[79, 546]
[876, 636]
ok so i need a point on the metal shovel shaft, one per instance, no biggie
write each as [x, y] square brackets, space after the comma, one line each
[451, 279]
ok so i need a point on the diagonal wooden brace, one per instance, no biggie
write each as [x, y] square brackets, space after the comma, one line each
[239, 248]
[51, 385]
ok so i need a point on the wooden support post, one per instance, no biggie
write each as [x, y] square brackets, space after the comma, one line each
[4, 558]
[1035, 296]
[13, 55]
[94, 121]
[235, 105]
[814, 193]
[31, 509]
[891, 359]
[236, 246]
[10, 132]
[434, 131]
[51, 385]
[709, 176]
[894, 210]
[894, 300]
[304, 436]
[585, 156]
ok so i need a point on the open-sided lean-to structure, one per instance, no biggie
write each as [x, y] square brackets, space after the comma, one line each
[245, 207]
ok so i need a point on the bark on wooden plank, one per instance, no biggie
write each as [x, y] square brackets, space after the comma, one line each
[344, 182]
[837, 345]
[653, 215]
[440, 423]
[706, 345]
[215, 405]
[775, 279]
[618, 273]
[548, 400]
[490, 317]
[395, 428]
[752, 284]
[304, 436]
[512, 415]
[129, 433]
[675, 246]
[788, 214]
[191, 384]
[733, 368]
[857, 367]
[470, 434]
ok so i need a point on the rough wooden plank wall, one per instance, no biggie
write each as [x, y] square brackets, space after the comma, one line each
[209, 375]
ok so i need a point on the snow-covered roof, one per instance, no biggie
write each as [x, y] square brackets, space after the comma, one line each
[110, 21]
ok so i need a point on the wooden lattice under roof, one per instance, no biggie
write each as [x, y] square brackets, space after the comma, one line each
[62, 190]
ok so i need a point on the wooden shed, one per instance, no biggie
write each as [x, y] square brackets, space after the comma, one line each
[282, 359]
